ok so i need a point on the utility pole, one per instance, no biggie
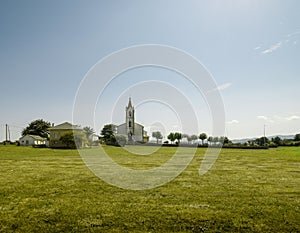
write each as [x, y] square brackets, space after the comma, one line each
[6, 132]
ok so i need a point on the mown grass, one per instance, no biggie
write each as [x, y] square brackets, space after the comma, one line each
[45, 190]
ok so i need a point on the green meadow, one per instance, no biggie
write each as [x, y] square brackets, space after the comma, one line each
[46, 190]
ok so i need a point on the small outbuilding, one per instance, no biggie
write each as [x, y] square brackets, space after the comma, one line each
[32, 140]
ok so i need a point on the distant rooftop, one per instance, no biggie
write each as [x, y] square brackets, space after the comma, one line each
[36, 137]
[65, 125]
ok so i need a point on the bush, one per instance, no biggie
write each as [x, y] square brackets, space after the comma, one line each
[120, 140]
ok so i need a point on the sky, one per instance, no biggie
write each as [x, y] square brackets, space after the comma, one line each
[251, 48]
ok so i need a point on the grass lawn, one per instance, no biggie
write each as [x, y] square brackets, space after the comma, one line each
[45, 190]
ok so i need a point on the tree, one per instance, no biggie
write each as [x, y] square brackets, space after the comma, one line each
[297, 137]
[111, 138]
[88, 131]
[178, 136]
[120, 140]
[202, 137]
[157, 135]
[171, 137]
[221, 139]
[38, 127]
[194, 137]
[68, 140]
[108, 132]
[74, 139]
[188, 138]
[226, 140]
[210, 139]
[185, 135]
[263, 141]
[215, 140]
[277, 140]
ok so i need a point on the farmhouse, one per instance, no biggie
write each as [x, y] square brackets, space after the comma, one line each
[134, 132]
[30, 140]
[66, 128]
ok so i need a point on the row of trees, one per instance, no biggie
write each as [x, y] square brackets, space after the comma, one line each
[175, 136]
[275, 141]
[190, 138]
[41, 127]
[262, 141]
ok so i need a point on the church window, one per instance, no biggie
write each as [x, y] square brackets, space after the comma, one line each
[129, 123]
[129, 113]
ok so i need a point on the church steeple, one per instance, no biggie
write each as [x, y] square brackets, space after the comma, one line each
[130, 119]
[129, 102]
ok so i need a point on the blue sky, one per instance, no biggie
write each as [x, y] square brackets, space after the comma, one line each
[252, 49]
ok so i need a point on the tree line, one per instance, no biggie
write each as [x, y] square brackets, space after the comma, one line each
[274, 141]
[176, 137]
[108, 134]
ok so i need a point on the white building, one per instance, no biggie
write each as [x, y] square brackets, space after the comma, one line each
[133, 131]
[29, 140]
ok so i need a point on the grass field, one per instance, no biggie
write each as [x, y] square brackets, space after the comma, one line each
[45, 190]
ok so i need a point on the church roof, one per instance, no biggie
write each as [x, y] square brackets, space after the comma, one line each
[135, 124]
[138, 124]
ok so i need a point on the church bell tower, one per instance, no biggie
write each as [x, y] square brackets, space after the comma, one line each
[130, 120]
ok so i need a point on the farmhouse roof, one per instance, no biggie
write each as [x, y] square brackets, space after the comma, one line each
[65, 125]
[36, 137]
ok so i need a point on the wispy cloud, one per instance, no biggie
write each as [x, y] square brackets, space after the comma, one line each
[262, 118]
[267, 119]
[232, 122]
[287, 39]
[292, 118]
[277, 118]
[220, 88]
[272, 48]
[293, 33]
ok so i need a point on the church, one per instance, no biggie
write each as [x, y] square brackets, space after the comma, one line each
[134, 132]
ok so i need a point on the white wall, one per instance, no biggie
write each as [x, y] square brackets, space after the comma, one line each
[27, 140]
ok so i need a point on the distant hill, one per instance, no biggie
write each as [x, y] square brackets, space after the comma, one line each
[243, 140]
